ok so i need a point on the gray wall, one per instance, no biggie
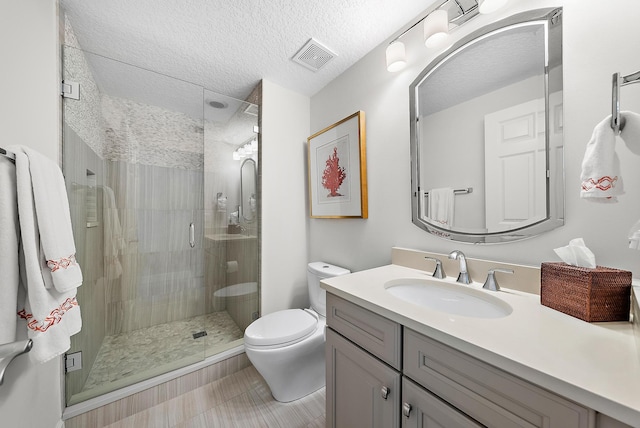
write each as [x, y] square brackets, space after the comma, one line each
[29, 115]
[590, 57]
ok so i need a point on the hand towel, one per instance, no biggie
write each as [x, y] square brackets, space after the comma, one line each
[9, 237]
[51, 316]
[600, 177]
[114, 243]
[441, 202]
[54, 220]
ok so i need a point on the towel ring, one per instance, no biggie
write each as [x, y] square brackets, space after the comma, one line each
[617, 122]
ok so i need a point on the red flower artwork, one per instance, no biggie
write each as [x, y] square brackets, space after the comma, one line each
[333, 174]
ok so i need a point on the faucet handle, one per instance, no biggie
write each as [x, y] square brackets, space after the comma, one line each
[491, 283]
[439, 270]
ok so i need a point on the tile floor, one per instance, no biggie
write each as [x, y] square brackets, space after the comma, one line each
[240, 400]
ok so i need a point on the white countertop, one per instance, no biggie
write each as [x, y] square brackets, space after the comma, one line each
[596, 365]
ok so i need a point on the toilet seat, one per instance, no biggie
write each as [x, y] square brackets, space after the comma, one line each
[281, 328]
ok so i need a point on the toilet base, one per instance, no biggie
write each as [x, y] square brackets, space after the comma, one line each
[292, 371]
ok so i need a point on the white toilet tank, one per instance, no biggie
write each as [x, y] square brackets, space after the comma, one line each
[315, 272]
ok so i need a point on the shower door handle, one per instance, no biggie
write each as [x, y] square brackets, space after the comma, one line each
[192, 235]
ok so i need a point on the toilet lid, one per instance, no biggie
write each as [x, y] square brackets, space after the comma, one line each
[280, 327]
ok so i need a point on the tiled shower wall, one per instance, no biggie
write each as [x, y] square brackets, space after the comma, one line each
[155, 168]
[162, 278]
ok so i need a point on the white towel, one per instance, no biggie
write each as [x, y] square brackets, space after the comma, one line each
[600, 177]
[52, 317]
[114, 243]
[54, 221]
[441, 206]
[9, 237]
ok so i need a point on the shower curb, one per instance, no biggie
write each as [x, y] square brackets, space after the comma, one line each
[117, 405]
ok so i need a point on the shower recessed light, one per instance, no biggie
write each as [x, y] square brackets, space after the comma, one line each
[218, 104]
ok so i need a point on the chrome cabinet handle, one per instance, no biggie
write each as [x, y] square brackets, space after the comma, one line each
[192, 235]
[385, 392]
[406, 409]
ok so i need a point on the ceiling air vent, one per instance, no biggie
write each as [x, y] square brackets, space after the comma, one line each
[313, 55]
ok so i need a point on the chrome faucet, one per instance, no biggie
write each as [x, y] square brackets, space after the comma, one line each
[463, 276]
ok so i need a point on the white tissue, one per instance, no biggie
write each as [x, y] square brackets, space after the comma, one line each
[634, 236]
[577, 254]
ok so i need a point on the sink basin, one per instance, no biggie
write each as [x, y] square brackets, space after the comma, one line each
[449, 298]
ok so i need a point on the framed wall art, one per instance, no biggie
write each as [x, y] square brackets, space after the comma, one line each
[338, 170]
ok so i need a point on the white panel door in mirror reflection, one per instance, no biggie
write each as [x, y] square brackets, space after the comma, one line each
[515, 166]
[516, 170]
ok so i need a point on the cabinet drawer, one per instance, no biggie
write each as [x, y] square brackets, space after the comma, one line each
[378, 335]
[489, 395]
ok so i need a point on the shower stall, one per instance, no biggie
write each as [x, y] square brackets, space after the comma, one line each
[162, 178]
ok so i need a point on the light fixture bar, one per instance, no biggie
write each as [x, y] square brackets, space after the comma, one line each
[457, 12]
[419, 21]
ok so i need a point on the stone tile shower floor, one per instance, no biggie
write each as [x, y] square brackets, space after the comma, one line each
[150, 351]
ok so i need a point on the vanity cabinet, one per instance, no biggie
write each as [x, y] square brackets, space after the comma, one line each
[364, 378]
[380, 373]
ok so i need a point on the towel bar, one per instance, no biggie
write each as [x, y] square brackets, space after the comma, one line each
[11, 156]
[9, 351]
[617, 122]
[457, 191]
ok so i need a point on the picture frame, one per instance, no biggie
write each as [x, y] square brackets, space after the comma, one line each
[337, 169]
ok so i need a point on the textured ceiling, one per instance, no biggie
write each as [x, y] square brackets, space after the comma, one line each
[228, 46]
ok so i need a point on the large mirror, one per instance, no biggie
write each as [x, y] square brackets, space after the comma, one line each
[486, 133]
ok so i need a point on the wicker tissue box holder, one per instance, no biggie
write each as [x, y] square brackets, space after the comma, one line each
[593, 295]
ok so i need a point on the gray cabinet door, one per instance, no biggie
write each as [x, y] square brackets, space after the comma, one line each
[422, 409]
[361, 390]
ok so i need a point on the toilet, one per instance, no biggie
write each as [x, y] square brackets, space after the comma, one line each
[287, 347]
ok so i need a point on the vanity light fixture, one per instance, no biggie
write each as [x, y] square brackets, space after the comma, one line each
[437, 24]
[247, 149]
[396, 57]
[436, 28]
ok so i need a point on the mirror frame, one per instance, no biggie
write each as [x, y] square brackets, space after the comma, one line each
[552, 17]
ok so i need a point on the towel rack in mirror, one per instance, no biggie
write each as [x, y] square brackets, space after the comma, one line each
[617, 122]
[9, 351]
[463, 191]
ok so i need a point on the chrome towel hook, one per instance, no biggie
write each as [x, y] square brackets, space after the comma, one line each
[617, 122]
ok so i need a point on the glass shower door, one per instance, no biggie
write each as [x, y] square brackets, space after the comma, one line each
[163, 182]
[231, 189]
